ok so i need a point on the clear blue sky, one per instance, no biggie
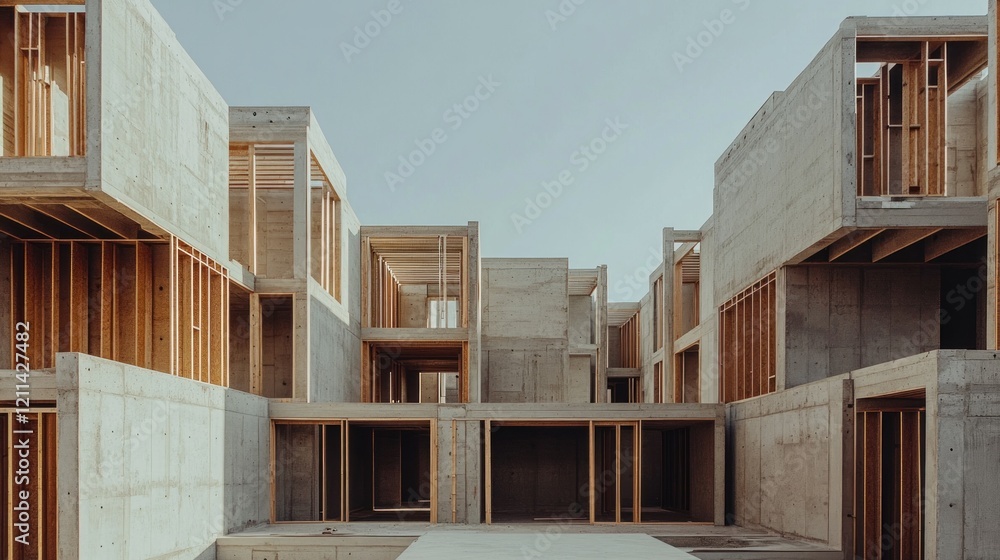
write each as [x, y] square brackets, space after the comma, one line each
[552, 76]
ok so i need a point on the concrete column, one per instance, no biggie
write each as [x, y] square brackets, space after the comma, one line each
[780, 308]
[847, 466]
[301, 228]
[472, 440]
[300, 348]
[991, 268]
[446, 463]
[475, 320]
[459, 474]
[993, 118]
[667, 309]
[720, 467]
[601, 320]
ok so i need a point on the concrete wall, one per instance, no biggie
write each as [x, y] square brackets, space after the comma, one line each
[335, 356]
[839, 319]
[247, 463]
[966, 141]
[154, 466]
[787, 451]
[786, 167]
[335, 327]
[525, 314]
[784, 454]
[413, 307]
[158, 132]
[964, 498]
[709, 311]
[581, 320]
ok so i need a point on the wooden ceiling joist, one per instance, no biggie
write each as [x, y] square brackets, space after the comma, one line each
[582, 282]
[850, 242]
[74, 220]
[965, 60]
[946, 241]
[45, 226]
[888, 51]
[890, 243]
[15, 230]
[415, 260]
[110, 220]
[620, 313]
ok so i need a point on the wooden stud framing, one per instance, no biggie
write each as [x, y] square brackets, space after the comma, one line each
[658, 314]
[902, 113]
[148, 304]
[488, 468]
[326, 252]
[41, 485]
[747, 342]
[889, 468]
[202, 325]
[631, 342]
[48, 55]
[685, 291]
[676, 475]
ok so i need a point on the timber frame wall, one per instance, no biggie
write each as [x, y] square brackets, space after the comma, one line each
[902, 112]
[41, 433]
[619, 467]
[747, 342]
[890, 476]
[160, 306]
[631, 343]
[44, 82]
[333, 470]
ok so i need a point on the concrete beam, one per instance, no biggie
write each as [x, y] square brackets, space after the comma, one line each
[369, 334]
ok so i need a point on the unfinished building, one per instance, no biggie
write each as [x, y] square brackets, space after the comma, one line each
[212, 358]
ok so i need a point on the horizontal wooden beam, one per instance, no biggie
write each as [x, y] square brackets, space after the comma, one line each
[44, 225]
[889, 404]
[851, 241]
[888, 51]
[965, 60]
[74, 220]
[948, 240]
[892, 242]
[111, 220]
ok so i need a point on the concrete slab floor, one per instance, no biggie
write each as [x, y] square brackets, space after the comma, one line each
[448, 545]
[706, 542]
